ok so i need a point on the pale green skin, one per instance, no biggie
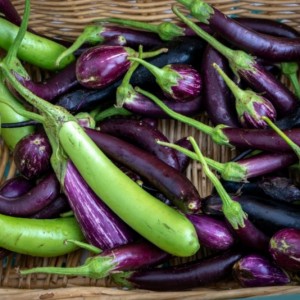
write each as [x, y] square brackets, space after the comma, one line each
[160, 224]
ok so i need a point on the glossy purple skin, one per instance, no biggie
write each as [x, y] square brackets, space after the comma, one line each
[183, 159]
[34, 200]
[189, 275]
[55, 86]
[285, 249]
[188, 86]
[171, 182]
[100, 226]
[15, 187]
[212, 233]
[143, 135]
[10, 12]
[135, 256]
[101, 65]
[32, 155]
[141, 105]
[218, 100]
[256, 270]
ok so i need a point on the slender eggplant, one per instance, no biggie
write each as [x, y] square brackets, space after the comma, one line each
[258, 44]
[99, 66]
[138, 255]
[43, 193]
[267, 214]
[181, 277]
[229, 136]
[213, 233]
[100, 226]
[16, 186]
[141, 134]
[249, 105]
[183, 159]
[247, 67]
[10, 12]
[218, 101]
[285, 249]
[254, 270]
[171, 182]
[32, 155]
[186, 51]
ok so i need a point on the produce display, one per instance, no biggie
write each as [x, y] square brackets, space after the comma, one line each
[94, 172]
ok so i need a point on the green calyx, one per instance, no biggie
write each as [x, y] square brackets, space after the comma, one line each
[199, 9]
[122, 279]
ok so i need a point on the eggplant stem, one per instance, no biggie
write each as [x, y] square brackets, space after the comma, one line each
[290, 69]
[85, 246]
[231, 209]
[110, 112]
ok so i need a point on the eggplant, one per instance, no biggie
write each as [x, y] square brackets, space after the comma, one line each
[141, 134]
[16, 186]
[285, 249]
[32, 155]
[183, 159]
[184, 276]
[132, 256]
[42, 194]
[212, 233]
[101, 227]
[171, 182]
[255, 270]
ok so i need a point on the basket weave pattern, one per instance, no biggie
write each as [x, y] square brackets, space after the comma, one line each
[65, 20]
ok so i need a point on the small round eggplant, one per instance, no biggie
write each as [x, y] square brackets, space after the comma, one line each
[255, 270]
[32, 155]
[285, 249]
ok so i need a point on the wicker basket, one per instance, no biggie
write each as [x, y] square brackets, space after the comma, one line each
[65, 20]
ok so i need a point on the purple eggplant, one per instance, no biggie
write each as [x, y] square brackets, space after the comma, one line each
[16, 186]
[285, 249]
[55, 86]
[180, 82]
[181, 277]
[100, 226]
[99, 66]
[171, 182]
[138, 255]
[32, 155]
[212, 233]
[248, 68]
[250, 106]
[218, 101]
[41, 195]
[141, 134]
[10, 12]
[183, 159]
[255, 270]
[266, 46]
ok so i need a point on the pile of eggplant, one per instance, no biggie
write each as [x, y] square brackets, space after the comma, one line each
[96, 172]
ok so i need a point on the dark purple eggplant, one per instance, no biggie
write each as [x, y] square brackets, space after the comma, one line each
[141, 134]
[258, 44]
[183, 159]
[255, 270]
[250, 106]
[265, 213]
[180, 82]
[171, 182]
[99, 66]
[10, 12]
[53, 210]
[138, 255]
[55, 86]
[16, 186]
[186, 51]
[32, 155]
[101, 227]
[285, 249]
[42, 194]
[189, 275]
[212, 233]
[248, 68]
[218, 100]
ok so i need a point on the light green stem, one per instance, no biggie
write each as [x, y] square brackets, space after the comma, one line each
[85, 246]
[291, 69]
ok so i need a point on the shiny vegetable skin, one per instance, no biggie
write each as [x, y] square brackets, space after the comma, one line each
[36, 50]
[181, 277]
[160, 224]
[15, 186]
[141, 134]
[171, 182]
[39, 237]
